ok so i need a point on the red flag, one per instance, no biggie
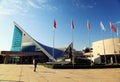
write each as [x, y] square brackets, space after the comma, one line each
[88, 25]
[72, 24]
[113, 27]
[54, 24]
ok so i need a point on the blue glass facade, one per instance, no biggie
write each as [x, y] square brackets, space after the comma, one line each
[28, 48]
[17, 39]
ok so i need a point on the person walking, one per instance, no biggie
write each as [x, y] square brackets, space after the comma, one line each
[35, 64]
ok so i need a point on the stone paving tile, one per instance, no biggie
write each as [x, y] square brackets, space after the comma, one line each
[25, 73]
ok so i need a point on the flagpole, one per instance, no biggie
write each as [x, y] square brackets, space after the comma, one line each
[72, 26]
[54, 27]
[114, 47]
[89, 46]
[114, 50]
[88, 25]
[115, 30]
[53, 40]
[104, 47]
[102, 31]
[72, 49]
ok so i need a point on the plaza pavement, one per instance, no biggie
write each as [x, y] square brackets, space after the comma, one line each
[25, 73]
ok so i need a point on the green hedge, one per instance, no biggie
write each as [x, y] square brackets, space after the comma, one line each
[77, 66]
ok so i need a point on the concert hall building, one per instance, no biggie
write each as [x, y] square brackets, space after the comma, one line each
[105, 51]
[24, 48]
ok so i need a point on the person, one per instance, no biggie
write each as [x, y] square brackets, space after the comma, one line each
[35, 64]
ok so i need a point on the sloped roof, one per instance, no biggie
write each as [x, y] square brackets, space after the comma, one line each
[36, 43]
[57, 53]
[46, 49]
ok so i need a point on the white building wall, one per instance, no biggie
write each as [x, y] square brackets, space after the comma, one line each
[109, 44]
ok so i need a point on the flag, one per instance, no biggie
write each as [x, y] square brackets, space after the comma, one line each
[54, 24]
[72, 25]
[102, 26]
[113, 27]
[88, 25]
[117, 33]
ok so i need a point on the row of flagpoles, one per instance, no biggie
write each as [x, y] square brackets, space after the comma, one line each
[88, 26]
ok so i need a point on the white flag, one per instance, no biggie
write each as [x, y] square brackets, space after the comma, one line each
[117, 33]
[102, 26]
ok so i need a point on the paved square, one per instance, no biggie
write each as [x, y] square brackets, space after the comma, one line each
[25, 73]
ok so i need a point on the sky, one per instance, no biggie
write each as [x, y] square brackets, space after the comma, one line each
[36, 17]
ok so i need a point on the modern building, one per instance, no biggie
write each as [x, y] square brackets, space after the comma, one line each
[25, 48]
[106, 51]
